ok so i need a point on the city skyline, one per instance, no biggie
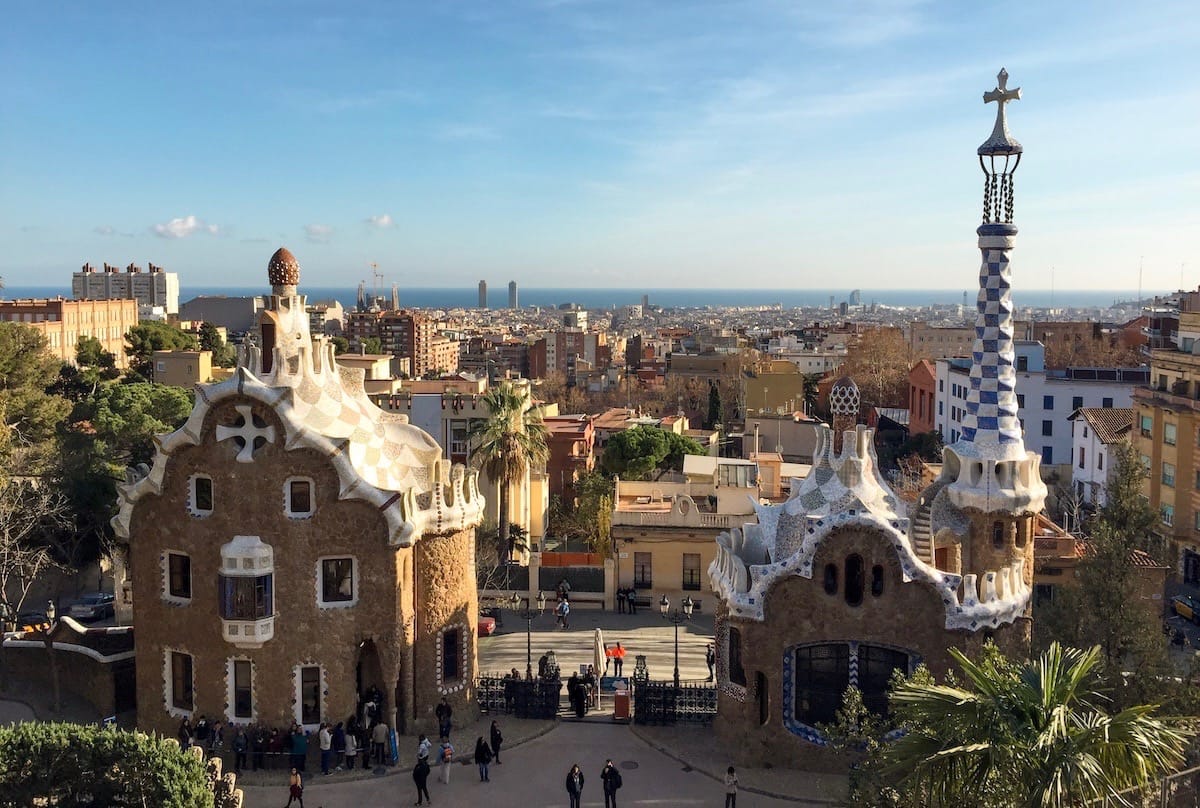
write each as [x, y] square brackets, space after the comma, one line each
[595, 145]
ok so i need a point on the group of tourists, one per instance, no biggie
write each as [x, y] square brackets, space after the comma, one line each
[610, 782]
[486, 751]
[627, 600]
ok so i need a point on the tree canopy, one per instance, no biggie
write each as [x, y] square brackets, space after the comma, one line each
[223, 354]
[634, 454]
[149, 336]
[29, 414]
[877, 360]
[75, 764]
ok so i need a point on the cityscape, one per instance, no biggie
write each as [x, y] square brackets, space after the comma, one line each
[761, 489]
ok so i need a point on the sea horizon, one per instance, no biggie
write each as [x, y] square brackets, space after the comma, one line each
[605, 298]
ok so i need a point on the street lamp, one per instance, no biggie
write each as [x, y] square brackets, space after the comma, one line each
[527, 613]
[676, 617]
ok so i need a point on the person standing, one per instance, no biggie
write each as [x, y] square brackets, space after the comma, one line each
[351, 751]
[445, 757]
[483, 756]
[258, 748]
[444, 713]
[325, 739]
[295, 788]
[497, 739]
[575, 785]
[379, 739]
[618, 660]
[423, 747]
[620, 601]
[421, 780]
[631, 595]
[611, 778]
[339, 745]
[240, 744]
[185, 733]
[731, 788]
[710, 659]
[299, 747]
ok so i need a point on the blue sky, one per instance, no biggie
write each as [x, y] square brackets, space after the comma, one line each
[575, 143]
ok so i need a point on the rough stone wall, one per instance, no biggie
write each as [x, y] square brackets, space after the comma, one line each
[981, 555]
[907, 616]
[249, 500]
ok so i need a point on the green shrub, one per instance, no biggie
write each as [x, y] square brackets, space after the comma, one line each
[77, 765]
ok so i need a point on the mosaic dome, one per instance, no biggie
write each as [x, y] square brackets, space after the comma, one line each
[283, 268]
[844, 397]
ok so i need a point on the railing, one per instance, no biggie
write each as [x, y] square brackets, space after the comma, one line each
[1180, 788]
[715, 520]
[664, 703]
[522, 698]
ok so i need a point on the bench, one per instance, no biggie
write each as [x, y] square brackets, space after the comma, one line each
[596, 598]
[645, 602]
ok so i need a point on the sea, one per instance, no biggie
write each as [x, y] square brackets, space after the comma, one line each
[449, 298]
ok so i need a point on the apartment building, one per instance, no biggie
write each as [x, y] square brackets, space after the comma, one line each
[156, 288]
[64, 322]
[403, 333]
[1094, 431]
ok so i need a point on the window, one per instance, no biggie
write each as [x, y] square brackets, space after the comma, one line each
[998, 535]
[451, 667]
[1146, 462]
[1168, 474]
[1197, 521]
[1047, 428]
[1047, 455]
[876, 580]
[822, 676]
[247, 597]
[691, 571]
[735, 476]
[941, 385]
[1167, 512]
[1082, 454]
[179, 575]
[1021, 400]
[337, 581]
[182, 693]
[1047, 402]
[941, 411]
[642, 578]
[1099, 461]
[243, 699]
[1076, 402]
[298, 497]
[1147, 426]
[1085, 431]
[1106, 403]
[202, 495]
[1169, 434]
[855, 583]
[1023, 364]
[831, 573]
[875, 667]
[737, 673]
[310, 695]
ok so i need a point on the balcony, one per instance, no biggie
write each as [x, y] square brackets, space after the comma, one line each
[665, 504]
[248, 633]
[1163, 399]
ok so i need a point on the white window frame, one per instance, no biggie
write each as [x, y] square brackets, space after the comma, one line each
[337, 604]
[165, 564]
[231, 693]
[322, 693]
[191, 503]
[287, 498]
[169, 684]
[464, 675]
[1167, 514]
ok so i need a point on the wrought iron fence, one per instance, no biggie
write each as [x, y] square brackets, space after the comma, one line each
[664, 703]
[1178, 789]
[522, 698]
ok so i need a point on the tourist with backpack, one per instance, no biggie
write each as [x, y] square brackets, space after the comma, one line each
[445, 757]
[611, 778]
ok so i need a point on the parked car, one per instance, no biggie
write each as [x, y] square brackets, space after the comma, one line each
[1186, 606]
[93, 606]
[487, 626]
[33, 621]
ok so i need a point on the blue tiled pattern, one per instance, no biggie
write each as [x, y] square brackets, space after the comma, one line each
[991, 416]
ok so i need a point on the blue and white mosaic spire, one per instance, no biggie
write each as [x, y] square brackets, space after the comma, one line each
[990, 460]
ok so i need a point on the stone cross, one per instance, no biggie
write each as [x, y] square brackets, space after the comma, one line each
[248, 433]
[1001, 95]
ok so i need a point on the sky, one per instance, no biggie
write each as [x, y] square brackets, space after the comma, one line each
[605, 143]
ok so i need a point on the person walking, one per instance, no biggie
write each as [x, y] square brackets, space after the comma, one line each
[483, 756]
[295, 788]
[710, 659]
[445, 757]
[618, 659]
[611, 778]
[421, 780]
[575, 785]
[563, 611]
[497, 739]
[731, 787]
[423, 747]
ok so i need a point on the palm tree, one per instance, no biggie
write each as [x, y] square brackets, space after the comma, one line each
[505, 444]
[1025, 735]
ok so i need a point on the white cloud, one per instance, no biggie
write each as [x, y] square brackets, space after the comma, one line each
[104, 230]
[381, 222]
[318, 233]
[182, 228]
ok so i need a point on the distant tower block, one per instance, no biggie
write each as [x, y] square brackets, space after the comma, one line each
[843, 403]
[832, 307]
[512, 294]
[645, 303]
[483, 294]
[856, 297]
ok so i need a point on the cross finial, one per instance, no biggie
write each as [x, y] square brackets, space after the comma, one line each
[1001, 142]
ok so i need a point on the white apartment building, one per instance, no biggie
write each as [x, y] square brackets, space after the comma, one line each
[154, 288]
[805, 356]
[1045, 398]
[1094, 430]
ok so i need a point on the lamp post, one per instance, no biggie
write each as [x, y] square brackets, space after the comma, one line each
[527, 613]
[680, 614]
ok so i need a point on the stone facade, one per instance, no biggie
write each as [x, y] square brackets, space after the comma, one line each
[294, 547]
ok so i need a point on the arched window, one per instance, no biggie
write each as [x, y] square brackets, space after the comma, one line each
[1022, 532]
[760, 693]
[998, 535]
[877, 580]
[855, 579]
[737, 673]
[831, 579]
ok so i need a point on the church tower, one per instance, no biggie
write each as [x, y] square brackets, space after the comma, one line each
[991, 476]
